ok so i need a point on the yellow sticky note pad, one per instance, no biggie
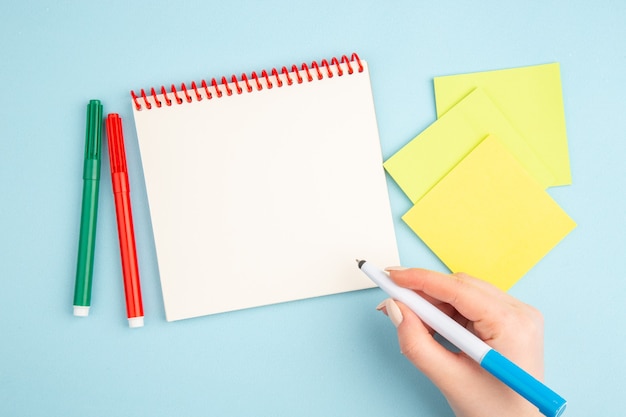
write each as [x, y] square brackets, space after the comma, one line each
[489, 218]
[530, 97]
[433, 153]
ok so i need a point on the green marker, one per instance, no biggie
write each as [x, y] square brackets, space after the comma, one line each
[89, 210]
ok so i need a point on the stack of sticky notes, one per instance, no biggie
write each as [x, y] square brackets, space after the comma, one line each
[477, 176]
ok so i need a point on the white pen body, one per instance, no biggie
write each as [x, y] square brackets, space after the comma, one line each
[452, 331]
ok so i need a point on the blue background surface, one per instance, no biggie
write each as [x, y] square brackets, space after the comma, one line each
[328, 356]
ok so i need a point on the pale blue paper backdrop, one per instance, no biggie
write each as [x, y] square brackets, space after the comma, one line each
[329, 356]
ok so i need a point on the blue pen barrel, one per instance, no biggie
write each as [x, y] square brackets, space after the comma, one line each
[546, 400]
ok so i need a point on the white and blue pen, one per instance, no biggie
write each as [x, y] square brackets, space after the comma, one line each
[546, 400]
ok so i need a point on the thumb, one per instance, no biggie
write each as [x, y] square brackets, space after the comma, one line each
[443, 367]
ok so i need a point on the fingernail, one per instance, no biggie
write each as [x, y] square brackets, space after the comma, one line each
[393, 311]
[396, 268]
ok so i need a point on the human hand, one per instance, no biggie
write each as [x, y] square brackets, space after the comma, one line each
[509, 326]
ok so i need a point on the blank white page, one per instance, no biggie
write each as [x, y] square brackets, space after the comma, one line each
[265, 196]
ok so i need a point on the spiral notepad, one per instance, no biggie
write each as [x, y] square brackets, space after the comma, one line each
[264, 188]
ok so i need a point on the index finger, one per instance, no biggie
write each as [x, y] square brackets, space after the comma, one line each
[473, 298]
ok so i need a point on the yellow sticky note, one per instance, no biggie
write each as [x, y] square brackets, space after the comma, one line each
[489, 218]
[433, 153]
[530, 97]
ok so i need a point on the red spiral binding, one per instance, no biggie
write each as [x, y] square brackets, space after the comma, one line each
[167, 99]
[314, 71]
[229, 92]
[156, 100]
[178, 99]
[336, 63]
[267, 79]
[317, 68]
[187, 96]
[295, 69]
[244, 78]
[206, 90]
[275, 74]
[309, 77]
[256, 79]
[239, 89]
[217, 89]
[285, 71]
[195, 89]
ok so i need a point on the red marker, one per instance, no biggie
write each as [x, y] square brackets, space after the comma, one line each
[121, 193]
